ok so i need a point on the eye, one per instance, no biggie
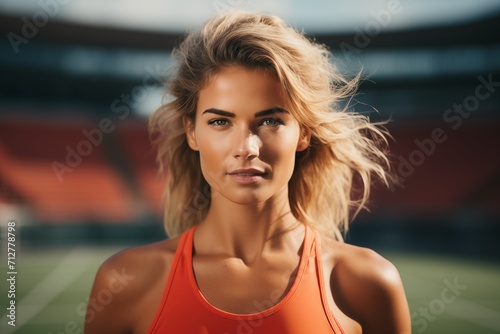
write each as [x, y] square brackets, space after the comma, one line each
[218, 122]
[273, 122]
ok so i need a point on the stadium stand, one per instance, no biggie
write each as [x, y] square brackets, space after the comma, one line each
[88, 188]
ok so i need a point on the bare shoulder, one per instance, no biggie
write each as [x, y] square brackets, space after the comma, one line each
[126, 281]
[137, 259]
[358, 263]
[367, 288]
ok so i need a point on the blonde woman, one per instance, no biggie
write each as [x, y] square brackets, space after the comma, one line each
[265, 172]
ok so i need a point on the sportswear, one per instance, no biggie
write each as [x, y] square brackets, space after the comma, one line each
[303, 310]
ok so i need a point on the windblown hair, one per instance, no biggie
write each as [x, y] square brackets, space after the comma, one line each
[332, 177]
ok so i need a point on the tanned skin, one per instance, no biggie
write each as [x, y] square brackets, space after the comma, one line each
[249, 243]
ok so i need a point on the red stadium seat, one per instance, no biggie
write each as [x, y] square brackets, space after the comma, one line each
[30, 152]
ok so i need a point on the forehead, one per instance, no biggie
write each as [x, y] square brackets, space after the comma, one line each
[238, 89]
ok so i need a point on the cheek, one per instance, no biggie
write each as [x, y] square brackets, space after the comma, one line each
[283, 143]
[212, 157]
[209, 154]
[207, 146]
[284, 160]
[281, 154]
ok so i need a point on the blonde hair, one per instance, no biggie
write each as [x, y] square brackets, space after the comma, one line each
[332, 178]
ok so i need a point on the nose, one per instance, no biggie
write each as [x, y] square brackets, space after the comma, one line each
[247, 147]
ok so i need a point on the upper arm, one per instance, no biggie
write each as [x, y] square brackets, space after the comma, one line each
[368, 289]
[109, 301]
[127, 289]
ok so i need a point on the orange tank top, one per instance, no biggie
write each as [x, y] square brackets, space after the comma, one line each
[304, 309]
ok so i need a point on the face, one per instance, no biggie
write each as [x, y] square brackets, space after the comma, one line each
[246, 138]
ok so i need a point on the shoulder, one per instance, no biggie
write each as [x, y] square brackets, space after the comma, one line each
[367, 288]
[122, 284]
[137, 259]
[136, 266]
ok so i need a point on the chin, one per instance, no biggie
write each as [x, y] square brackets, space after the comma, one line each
[246, 199]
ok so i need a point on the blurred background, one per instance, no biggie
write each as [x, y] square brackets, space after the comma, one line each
[79, 179]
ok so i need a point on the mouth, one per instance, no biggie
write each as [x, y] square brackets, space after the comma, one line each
[247, 175]
[247, 172]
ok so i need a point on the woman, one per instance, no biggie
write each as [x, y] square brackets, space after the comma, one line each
[263, 167]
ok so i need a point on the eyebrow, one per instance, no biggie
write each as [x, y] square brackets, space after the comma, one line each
[270, 111]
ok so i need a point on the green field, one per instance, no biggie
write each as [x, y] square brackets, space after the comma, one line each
[52, 287]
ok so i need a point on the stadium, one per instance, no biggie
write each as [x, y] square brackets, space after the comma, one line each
[79, 181]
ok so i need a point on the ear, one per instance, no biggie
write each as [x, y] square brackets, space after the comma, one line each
[304, 140]
[190, 135]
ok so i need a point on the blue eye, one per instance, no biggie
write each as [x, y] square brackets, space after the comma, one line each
[273, 122]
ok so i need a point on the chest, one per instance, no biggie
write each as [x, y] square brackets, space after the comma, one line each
[230, 285]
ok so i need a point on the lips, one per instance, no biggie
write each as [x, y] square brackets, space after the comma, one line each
[247, 175]
[247, 171]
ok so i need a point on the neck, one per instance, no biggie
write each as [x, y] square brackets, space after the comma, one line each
[247, 231]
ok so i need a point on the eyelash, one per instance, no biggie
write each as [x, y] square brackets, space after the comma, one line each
[215, 121]
[276, 122]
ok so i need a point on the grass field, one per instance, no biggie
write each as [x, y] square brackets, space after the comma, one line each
[446, 295]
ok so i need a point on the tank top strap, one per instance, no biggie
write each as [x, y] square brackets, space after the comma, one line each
[185, 240]
[184, 248]
[321, 283]
[186, 243]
